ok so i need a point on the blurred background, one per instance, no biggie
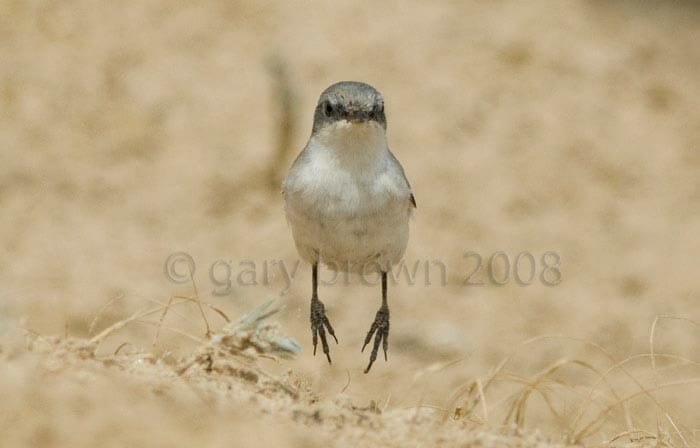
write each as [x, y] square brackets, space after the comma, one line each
[134, 130]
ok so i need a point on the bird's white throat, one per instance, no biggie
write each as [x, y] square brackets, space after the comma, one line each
[360, 144]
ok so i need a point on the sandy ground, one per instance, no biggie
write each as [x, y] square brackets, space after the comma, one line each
[134, 130]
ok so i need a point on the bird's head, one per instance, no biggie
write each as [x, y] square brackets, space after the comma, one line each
[349, 103]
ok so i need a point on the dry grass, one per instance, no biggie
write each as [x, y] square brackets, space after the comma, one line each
[590, 403]
[585, 411]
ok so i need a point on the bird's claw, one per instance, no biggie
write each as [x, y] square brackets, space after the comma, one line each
[380, 326]
[319, 325]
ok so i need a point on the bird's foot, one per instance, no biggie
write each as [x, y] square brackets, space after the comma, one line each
[380, 326]
[319, 325]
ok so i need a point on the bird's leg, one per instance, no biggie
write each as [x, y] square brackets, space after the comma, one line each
[318, 317]
[380, 326]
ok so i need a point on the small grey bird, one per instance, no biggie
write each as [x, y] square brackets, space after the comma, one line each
[348, 201]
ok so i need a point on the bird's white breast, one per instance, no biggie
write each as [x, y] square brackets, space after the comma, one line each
[346, 198]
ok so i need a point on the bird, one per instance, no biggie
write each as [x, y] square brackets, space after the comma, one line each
[348, 201]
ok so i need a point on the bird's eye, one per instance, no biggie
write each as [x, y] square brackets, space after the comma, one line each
[328, 109]
[376, 111]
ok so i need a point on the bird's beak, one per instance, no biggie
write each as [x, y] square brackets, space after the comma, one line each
[358, 116]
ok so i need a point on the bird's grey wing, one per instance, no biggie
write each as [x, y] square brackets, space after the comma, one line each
[403, 174]
[293, 172]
